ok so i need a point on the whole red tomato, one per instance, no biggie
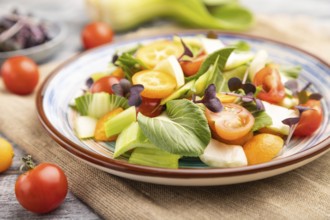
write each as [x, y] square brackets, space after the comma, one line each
[96, 34]
[41, 189]
[310, 120]
[20, 75]
[104, 84]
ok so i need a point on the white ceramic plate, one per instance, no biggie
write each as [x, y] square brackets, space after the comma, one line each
[66, 81]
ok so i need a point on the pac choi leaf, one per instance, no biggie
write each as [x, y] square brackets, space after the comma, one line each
[183, 131]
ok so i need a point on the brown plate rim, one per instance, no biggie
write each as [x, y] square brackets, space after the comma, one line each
[124, 167]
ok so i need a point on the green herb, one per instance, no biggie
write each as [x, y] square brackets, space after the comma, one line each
[222, 55]
[183, 131]
[129, 64]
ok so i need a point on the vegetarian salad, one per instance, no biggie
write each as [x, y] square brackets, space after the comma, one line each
[196, 98]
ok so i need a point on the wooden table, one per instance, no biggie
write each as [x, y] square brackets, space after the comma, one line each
[74, 17]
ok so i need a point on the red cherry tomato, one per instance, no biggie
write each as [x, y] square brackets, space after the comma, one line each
[150, 107]
[190, 68]
[310, 120]
[41, 189]
[272, 87]
[96, 34]
[20, 75]
[232, 123]
[104, 84]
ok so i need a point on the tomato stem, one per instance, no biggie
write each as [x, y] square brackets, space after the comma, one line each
[28, 163]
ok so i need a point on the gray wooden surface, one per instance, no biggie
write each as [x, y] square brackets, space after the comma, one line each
[72, 14]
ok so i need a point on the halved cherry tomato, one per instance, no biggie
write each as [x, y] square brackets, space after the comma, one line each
[151, 54]
[41, 189]
[190, 68]
[20, 75]
[104, 84]
[310, 120]
[157, 85]
[150, 107]
[232, 123]
[96, 34]
[272, 87]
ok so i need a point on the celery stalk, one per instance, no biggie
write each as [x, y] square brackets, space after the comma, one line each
[154, 157]
[119, 122]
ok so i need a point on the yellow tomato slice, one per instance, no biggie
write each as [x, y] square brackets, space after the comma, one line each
[153, 53]
[157, 85]
[226, 98]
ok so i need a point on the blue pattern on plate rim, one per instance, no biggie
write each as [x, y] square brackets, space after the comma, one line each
[70, 80]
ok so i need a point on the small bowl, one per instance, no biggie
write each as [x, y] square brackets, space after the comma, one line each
[43, 51]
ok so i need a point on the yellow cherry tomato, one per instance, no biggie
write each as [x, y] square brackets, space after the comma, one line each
[153, 53]
[6, 155]
[157, 85]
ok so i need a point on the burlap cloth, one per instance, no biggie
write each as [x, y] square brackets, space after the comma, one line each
[301, 194]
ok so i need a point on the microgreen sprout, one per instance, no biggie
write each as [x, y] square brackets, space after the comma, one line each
[210, 100]
[186, 50]
[302, 94]
[133, 93]
[293, 122]
[235, 84]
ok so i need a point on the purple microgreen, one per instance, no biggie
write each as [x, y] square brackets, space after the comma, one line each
[259, 104]
[291, 121]
[247, 98]
[234, 84]
[114, 59]
[212, 35]
[186, 50]
[89, 82]
[135, 98]
[122, 88]
[249, 88]
[315, 96]
[116, 88]
[292, 85]
[210, 100]
[306, 86]
[125, 85]
[301, 109]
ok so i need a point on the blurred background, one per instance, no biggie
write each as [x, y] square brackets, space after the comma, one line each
[75, 14]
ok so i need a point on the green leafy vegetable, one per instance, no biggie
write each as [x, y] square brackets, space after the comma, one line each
[261, 120]
[184, 130]
[123, 15]
[129, 64]
[98, 104]
[241, 45]
[222, 55]
[154, 157]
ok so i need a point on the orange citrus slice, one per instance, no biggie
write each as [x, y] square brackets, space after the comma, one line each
[157, 85]
[151, 54]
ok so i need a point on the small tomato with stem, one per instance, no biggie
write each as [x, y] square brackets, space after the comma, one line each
[42, 188]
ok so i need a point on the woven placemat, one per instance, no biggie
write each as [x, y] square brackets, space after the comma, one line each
[301, 194]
